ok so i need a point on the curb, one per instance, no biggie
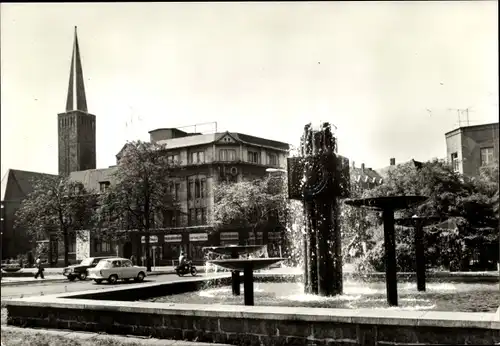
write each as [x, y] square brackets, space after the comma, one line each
[87, 336]
[49, 280]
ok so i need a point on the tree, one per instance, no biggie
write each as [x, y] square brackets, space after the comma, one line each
[140, 197]
[469, 205]
[57, 207]
[249, 204]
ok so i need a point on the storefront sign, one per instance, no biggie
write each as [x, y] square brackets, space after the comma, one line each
[251, 236]
[152, 239]
[173, 238]
[198, 237]
[229, 236]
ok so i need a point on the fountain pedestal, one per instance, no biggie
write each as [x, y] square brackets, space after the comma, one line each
[387, 205]
[247, 265]
[235, 251]
[419, 223]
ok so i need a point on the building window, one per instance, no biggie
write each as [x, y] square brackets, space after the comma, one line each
[173, 158]
[103, 186]
[254, 157]
[486, 156]
[102, 246]
[454, 162]
[198, 217]
[197, 157]
[177, 189]
[272, 159]
[227, 155]
[192, 217]
[204, 216]
[197, 192]
[191, 189]
[203, 188]
[171, 189]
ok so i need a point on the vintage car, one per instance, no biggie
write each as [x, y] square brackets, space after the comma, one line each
[116, 268]
[80, 270]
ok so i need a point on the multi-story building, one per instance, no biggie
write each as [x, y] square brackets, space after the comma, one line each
[204, 160]
[470, 147]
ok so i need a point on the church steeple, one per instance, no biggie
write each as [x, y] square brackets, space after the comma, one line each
[76, 89]
[76, 126]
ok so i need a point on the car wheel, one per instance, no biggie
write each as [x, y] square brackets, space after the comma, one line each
[113, 279]
[71, 278]
[140, 277]
[82, 276]
[98, 281]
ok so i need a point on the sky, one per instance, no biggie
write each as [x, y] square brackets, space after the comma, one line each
[388, 75]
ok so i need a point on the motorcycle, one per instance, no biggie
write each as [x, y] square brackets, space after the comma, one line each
[186, 269]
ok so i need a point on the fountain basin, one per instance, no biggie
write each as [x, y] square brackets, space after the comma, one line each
[99, 311]
[234, 250]
[243, 263]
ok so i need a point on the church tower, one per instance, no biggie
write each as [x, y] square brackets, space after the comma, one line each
[76, 126]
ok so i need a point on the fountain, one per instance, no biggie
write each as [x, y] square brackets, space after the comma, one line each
[245, 265]
[319, 178]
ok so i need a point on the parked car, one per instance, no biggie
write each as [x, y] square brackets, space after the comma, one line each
[80, 271]
[116, 268]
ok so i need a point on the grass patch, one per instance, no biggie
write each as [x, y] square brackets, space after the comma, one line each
[32, 337]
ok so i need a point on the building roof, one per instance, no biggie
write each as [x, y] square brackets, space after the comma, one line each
[76, 89]
[364, 175]
[92, 177]
[383, 171]
[473, 127]
[191, 141]
[23, 180]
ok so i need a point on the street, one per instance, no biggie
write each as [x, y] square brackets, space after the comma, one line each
[45, 288]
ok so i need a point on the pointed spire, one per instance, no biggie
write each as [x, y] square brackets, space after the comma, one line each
[76, 89]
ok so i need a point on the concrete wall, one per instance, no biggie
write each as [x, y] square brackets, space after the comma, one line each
[247, 325]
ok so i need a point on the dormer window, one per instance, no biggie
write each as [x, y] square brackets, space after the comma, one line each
[103, 186]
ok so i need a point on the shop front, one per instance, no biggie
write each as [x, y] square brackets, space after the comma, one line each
[154, 250]
[258, 241]
[197, 241]
[229, 238]
[172, 245]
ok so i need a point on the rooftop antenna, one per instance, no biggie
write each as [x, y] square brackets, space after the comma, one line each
[461, 111]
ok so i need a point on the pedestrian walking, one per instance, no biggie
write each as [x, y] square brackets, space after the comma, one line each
[39, 266]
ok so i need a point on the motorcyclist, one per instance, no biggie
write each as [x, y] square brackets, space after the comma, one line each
[182, 261]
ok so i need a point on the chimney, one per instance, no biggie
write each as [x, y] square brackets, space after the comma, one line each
[362, 167]
[393, 161]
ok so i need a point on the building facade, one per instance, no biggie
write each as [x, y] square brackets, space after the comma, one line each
[471, 147]
[204, 161]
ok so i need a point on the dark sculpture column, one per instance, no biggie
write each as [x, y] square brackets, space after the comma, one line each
[420, 254]
[235, 278]
[320, 192]
[390, 257]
